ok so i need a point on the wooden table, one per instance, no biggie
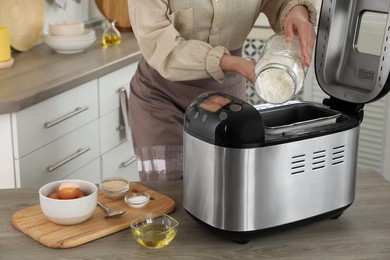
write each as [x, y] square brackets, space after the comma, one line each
[362, 232]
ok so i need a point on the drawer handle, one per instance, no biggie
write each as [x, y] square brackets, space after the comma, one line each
[78, 110]
[122, 89]
[128, 162]
[124, 109]
[73, 156]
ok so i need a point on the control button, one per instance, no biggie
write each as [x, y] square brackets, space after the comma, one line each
[204, 117]
[235, 107]
[223, 115]
[196, 115]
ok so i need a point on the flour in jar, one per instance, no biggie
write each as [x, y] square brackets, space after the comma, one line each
[279, 76]
[275, 85]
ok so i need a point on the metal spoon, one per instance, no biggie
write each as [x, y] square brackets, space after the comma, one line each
[109, 212]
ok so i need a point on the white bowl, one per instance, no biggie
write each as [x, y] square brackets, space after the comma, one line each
[137, 200]
[70, 44]
[70, 211]
[88, 33]
[66, 28]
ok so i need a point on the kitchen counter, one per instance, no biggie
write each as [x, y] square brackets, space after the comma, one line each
[40, 73]
[362, 232]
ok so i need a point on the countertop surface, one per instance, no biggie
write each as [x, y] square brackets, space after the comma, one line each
[362, 232]
[41, 73]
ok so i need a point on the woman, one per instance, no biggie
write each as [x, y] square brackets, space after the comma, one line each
[190, 47]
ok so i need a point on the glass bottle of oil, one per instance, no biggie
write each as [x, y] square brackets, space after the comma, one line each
[111, 35]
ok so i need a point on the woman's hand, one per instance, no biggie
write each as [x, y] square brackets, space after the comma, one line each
[240, 65]
[298, 22]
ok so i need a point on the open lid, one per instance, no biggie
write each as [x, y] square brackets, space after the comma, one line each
[352, 56]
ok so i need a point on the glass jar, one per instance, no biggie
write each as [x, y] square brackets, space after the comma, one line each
[279, 72]
[111, 35]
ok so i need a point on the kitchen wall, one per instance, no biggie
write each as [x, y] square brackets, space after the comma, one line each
[86, 10]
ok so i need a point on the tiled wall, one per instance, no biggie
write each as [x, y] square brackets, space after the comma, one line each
[252, 50]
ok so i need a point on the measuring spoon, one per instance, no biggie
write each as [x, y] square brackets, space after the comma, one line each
[109, 212]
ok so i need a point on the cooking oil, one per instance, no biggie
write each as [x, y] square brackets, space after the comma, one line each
[111, 39]
[111, 35]
[154, 235]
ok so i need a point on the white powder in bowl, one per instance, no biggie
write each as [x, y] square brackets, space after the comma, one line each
[275, 85]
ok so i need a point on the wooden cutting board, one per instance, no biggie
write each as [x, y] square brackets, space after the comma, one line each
[115, 9]
[33, 223]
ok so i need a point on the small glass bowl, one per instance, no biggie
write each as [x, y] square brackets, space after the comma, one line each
[154, 230]
[137, 200]
[114, 187]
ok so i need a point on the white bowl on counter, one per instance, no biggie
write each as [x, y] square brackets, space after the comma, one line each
[66, 28]
[69, 44]
[68, 211]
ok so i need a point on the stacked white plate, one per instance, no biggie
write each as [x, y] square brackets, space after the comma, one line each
[69, 44]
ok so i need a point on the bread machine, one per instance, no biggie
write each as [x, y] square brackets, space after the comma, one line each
[249, 169]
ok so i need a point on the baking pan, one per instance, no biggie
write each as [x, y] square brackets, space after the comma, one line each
[289, 118]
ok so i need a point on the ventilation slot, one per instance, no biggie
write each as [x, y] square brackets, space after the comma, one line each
[318, 160]
[298, 164]
[338, 155]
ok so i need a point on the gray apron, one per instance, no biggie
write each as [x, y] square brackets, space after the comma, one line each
[156, 115]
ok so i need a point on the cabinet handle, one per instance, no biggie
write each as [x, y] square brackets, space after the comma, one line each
[78, 110]
[128, 162]
[73, 156]
[122, 89]
[124, 109]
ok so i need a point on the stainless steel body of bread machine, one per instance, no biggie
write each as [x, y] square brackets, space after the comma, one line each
[248, 169]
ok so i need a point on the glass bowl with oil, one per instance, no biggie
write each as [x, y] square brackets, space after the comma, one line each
[154, 230]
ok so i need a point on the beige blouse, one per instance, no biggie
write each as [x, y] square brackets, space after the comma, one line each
[185, 39]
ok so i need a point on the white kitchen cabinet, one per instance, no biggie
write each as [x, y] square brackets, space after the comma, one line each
[61, 157]
[54, 138]
[112, 131]
[118, 157]
[120, 162]
[110, 86]
[78, 134]
[7, 177]
[46, 121]
[90, 171]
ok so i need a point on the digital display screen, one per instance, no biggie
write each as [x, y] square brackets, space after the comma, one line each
[214, 103]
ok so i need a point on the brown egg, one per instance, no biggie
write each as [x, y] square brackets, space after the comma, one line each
[81, 194]
[54, 195]
[68, 191]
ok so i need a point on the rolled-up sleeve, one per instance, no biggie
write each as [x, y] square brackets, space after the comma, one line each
[212, 63]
